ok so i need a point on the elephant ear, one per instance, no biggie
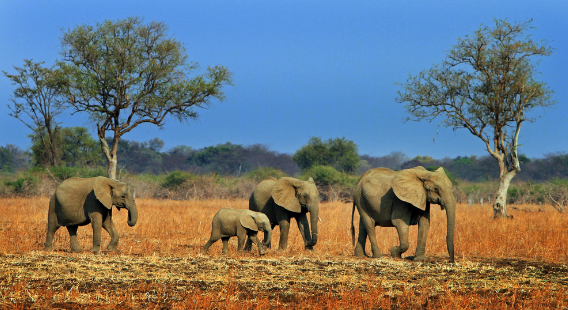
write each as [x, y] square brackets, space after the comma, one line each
[284, 194]
[408, 186]
[103, 191]
[247, 220]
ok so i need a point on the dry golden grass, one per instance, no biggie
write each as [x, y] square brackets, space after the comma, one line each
[516, 264]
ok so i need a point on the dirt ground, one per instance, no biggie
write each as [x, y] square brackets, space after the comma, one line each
[65, 280]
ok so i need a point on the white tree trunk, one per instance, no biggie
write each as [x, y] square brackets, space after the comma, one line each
[500, 203]
[110, 155]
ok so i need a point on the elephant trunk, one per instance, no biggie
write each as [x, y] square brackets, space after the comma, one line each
[314, 217]
[132, 213]
[451, 218]
[267, 236]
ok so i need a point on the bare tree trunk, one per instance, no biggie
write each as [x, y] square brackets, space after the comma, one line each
[500, 203]
[110, 153]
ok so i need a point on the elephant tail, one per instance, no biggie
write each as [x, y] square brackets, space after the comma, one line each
[353, 226]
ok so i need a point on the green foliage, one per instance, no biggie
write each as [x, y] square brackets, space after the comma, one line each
[424, 159]
[142, 68]
[65, 172]
[339, 153]
[75, 148]
[262, 173]
[22, 183]
[223, 158]
[326, 175]
[37, 101]
[526, 192]
[487, 85]
[523, 159]
[6, 165]
[176, 179]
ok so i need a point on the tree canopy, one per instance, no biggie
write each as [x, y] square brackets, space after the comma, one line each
[125, 73]
[76, 148]
[487, 85]
[37, 102]
[339, 153]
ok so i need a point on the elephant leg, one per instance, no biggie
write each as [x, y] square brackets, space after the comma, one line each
[403, 229]
[283, 219]
[269, 246]
[361, 241]
[52, 226]
[211, 240]
[253, 236]
[97, 223]
[241, 242]
[248, 244]
[75, 246]
[225, 241]
[108, 225]
[304, 227]
[369, 225]
[423, 227]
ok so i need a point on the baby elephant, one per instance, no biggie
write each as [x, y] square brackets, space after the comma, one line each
[229, 222]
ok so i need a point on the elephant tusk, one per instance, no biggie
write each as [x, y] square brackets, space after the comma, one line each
[319, 218]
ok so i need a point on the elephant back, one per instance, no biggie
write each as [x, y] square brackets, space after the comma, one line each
[73, 192]
[261, 195]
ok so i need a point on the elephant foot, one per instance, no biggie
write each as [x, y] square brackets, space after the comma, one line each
[420, 258]
[111, 248]
[395, 252]
[308, 247]
[48, 249]
[359, 252]
[76, 250]
[377, 255]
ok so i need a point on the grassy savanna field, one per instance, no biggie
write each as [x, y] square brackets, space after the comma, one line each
[505, 264]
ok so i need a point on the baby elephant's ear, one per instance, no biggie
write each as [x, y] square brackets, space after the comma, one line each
[103, 190]
[247, 220]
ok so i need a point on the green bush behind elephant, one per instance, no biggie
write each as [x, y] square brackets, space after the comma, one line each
[80, 201]
[400, 199]
[284, 199]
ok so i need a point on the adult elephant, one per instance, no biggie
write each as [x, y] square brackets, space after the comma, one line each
[79, 201]
[399, 199]
[284, 199]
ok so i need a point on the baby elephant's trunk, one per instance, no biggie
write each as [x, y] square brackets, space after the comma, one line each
[267, 237]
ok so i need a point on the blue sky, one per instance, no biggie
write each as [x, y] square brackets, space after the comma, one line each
[304, 68]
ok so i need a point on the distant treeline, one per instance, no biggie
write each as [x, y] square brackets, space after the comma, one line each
[78, 149]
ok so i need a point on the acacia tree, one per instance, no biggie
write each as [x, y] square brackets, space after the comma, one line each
[38, 98]
[126, 72]
[486, 84]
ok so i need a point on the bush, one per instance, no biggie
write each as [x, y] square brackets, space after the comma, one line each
[263, 173]
[326, 175]
[63, 172]
[176, 179]
[23, 184]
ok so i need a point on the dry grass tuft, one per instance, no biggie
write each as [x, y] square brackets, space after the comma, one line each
[519, 263]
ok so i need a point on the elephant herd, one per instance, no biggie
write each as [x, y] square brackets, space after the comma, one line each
[381, 196]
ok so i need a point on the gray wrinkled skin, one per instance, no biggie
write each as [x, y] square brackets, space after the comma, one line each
[229, 222]
[400, 199]
[78, 202]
